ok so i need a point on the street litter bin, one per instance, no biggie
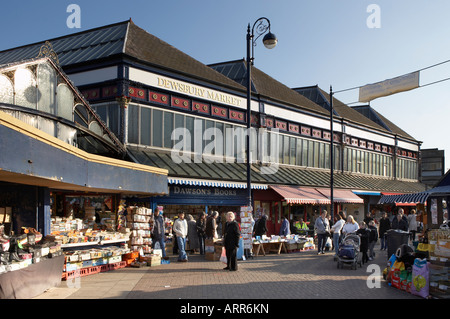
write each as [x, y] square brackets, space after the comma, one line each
[396, 238]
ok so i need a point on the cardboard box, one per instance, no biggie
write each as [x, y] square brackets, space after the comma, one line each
[212, 256]
[152, 261]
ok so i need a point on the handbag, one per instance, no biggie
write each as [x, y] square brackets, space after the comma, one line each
[223, 256]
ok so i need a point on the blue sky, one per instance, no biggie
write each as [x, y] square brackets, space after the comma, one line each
[324, 42]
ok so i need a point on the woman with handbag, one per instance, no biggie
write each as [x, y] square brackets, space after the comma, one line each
[322, 228]
[232, 235]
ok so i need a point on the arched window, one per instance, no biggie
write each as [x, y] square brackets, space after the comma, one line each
[6, 90]
[25, 88]
[46, 81]
[64, 101]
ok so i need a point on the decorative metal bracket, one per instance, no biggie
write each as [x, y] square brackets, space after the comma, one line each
[46, 50]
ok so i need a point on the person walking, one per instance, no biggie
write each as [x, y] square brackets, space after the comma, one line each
[373, 239]
[412, 224]
[180, 228]
[158, 233]
[336, 230]
[192, 236]
[232, 235]
[385, 225]
[322, 228]
[201, 227]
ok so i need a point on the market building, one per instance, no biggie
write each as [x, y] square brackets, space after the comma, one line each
[170, 111]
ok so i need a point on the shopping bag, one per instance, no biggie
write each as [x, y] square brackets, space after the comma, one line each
[396, 270]
[223, 256]
[420, 278]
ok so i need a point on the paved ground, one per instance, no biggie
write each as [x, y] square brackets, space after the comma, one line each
[302, 275]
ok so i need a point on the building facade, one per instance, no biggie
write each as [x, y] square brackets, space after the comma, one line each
[173, 112]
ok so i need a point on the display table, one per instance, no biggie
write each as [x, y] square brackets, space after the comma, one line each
[269, 247]
[33, 280]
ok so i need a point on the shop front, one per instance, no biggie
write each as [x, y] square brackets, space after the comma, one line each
[297, 203]
[195, 197]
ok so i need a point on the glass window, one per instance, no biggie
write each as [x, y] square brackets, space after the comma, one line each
[113, 118]
[157, 124]
[310, 154]
[321, 155]
[168, 128]
[65, 101]
[133, 124]
[286, 146]
[327, 155]
[304, 152]
[146, 124]
[220, 143]
[6, 90]
[46, 78]
[25, 88]
[292, 150]
[298, 154]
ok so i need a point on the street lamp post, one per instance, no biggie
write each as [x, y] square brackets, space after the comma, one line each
[331, 156]
[270, 41]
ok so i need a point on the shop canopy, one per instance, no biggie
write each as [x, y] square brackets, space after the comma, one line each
[341, 196]
[301, 195]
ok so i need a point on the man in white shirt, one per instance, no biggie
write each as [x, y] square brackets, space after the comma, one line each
[180, 228]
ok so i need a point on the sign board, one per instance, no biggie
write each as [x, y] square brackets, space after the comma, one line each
[387, 87]
[246, 226]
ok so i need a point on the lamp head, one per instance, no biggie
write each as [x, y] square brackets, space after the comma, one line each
[270, 40]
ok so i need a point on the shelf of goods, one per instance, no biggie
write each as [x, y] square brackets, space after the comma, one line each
[87, 250]
[140, 221]
[95, 260]
[439, 250]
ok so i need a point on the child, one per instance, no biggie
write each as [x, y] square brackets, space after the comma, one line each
[363, 233]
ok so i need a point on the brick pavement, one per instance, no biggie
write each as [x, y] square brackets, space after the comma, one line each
[302, 275]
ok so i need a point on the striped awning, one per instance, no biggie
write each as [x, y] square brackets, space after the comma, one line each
[300, 195]
[413, 198]
[212, 183]
[341, 196]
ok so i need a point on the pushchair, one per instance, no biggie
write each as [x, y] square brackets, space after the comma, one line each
[348, 252]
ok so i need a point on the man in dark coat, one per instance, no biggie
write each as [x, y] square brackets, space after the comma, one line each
[158, 233]
[261, 226]
[231, 241]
